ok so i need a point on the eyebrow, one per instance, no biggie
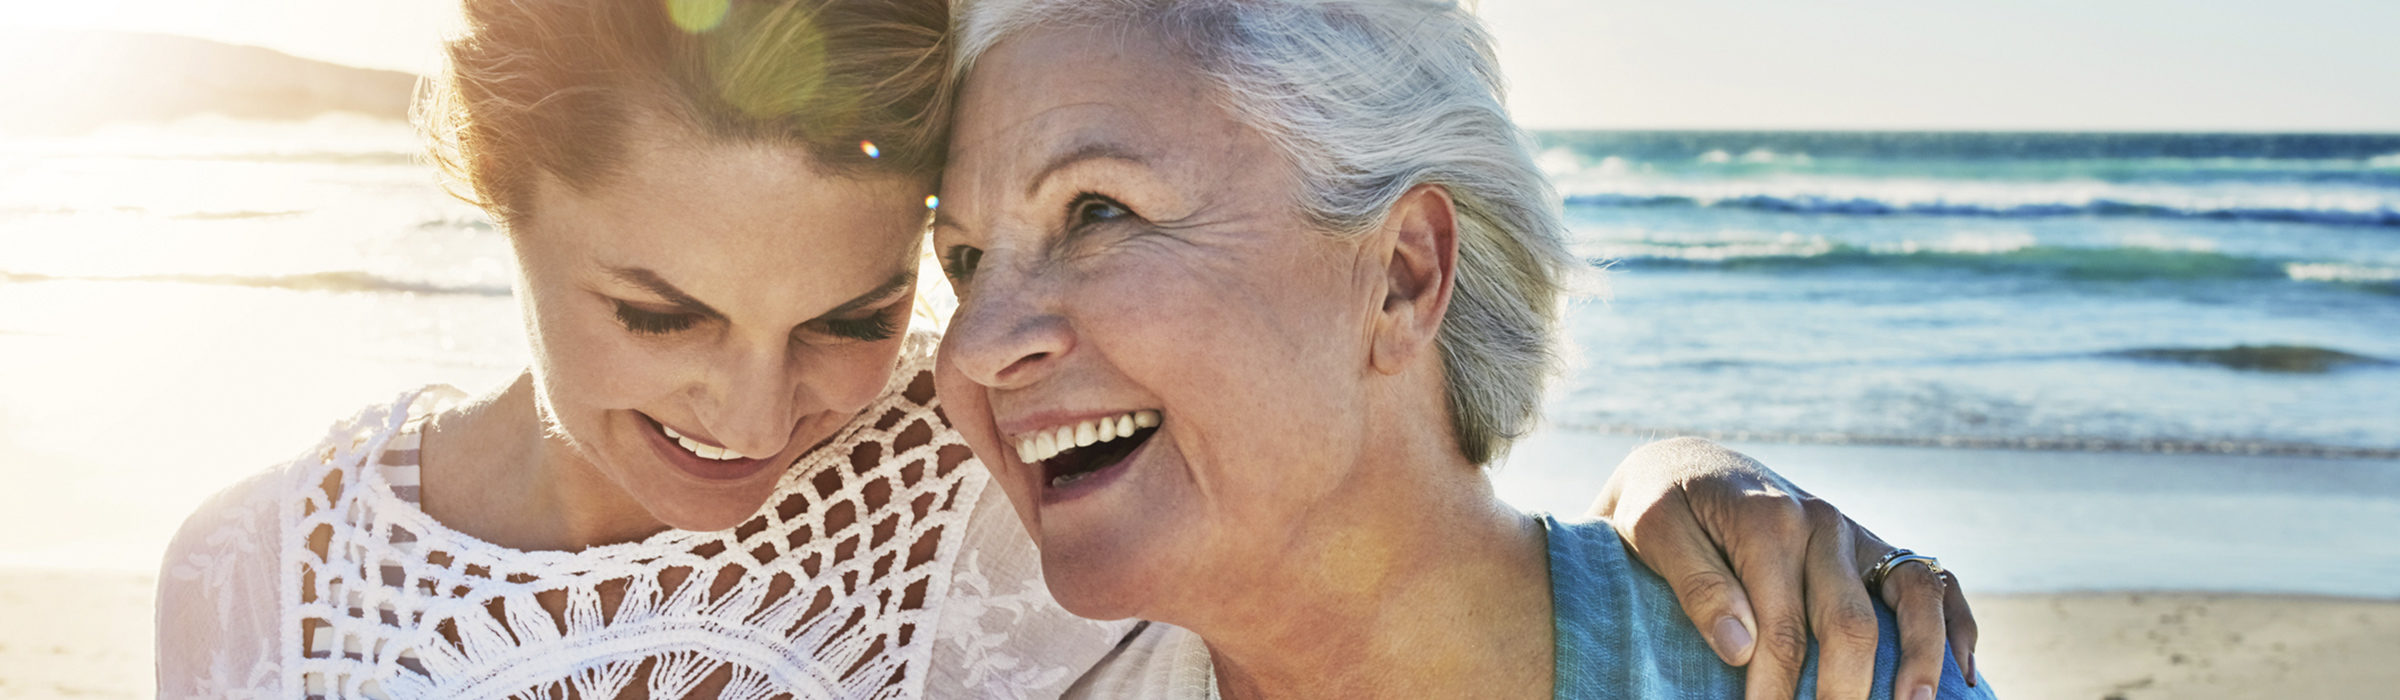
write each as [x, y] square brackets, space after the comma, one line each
[648, 279]
[1101, 150]
[881, 292]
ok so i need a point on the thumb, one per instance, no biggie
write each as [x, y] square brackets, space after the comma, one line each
[1670, 541]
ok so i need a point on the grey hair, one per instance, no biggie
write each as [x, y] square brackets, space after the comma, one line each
[1367, 99]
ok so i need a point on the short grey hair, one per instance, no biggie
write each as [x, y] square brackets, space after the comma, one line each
[1367, 99]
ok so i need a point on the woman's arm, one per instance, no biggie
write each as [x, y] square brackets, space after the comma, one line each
[217, 611]
[1742, 545]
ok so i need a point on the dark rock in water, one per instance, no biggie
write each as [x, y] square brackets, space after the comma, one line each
[2259, 358]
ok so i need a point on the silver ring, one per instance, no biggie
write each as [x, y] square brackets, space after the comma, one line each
[1893, 559]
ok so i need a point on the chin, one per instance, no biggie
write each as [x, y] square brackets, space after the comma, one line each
[678, 503]
[1089, 597]
[685, 506]
[1097, 583]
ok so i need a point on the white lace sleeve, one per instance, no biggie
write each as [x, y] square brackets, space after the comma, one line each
[218, 604]
[1001, 635]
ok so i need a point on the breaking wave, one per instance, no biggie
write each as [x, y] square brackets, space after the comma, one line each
[2031, 201]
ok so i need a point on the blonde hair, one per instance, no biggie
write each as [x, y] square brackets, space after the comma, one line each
[553, 86]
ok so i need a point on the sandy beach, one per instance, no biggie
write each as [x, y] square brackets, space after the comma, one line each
[2180, 645]
[87, 635]
[75, 634]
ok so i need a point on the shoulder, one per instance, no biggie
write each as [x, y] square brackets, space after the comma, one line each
[220, 596]
[1618, 628]
[217, 604]
[236, 535]
[1157, 661]
[1621, 632]
[1001, 635]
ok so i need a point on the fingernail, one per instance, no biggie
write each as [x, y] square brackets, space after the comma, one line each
[1924, 692]
[1732, 637]
[1969, 671]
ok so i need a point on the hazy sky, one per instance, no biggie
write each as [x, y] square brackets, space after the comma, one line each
[1853, 64]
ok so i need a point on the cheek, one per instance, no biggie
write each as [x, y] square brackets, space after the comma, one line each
[964, 405]
[1257, 365]
[585, 362]
[849, 377]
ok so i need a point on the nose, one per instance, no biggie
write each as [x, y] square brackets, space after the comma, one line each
[1007, 331]
[752, 399]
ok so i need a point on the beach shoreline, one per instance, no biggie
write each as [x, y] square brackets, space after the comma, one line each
[2043, 522]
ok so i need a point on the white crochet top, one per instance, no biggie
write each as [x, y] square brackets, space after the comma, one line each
[908, 578]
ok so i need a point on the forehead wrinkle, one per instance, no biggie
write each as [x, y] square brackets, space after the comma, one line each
[1088, 150]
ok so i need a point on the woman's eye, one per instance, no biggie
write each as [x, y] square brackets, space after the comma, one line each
[958, 262]
[1088, 209]
[881, 326]
[653, 322]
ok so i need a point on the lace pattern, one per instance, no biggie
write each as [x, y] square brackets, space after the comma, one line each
[886, 565]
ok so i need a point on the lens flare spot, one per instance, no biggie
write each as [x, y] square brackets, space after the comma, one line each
[697, 16]
[868, 147]
[933, 202]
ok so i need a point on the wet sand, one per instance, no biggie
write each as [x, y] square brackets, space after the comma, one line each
[2179, 645]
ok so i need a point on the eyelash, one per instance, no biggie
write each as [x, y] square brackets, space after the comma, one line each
[881, 326]
[1078, 208]
[959, 262]
[652, 322]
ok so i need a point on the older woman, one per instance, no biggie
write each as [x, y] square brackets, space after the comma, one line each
[1250, 290]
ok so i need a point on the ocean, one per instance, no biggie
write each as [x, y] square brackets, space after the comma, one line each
[2233, 293]
[181, 305]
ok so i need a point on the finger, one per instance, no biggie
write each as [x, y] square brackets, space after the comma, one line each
[1669, 540]
[1961, 622]
[1773, 579]
[1840, 611]
[1916, 596]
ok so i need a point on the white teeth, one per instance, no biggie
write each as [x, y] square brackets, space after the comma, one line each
[1045, 444]
[705, 451]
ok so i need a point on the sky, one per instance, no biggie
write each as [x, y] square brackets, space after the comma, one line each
[2243, 65]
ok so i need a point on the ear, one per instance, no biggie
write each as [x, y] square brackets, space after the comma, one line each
[1423, 231]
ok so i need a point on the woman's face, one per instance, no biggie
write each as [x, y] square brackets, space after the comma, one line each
[1134, 250]
[710, 312]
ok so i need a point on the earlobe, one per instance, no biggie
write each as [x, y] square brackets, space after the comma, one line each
[1420, 274]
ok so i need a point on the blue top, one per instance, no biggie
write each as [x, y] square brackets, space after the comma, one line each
[1621, 634]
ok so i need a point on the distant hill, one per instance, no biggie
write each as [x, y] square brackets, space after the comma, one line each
[66, 82]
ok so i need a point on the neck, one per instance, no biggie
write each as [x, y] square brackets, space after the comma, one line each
[1419, 583]
[492, 469]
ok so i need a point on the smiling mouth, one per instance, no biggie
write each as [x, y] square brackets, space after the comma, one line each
[708, 462]
[1071, 453]
[701, 449]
